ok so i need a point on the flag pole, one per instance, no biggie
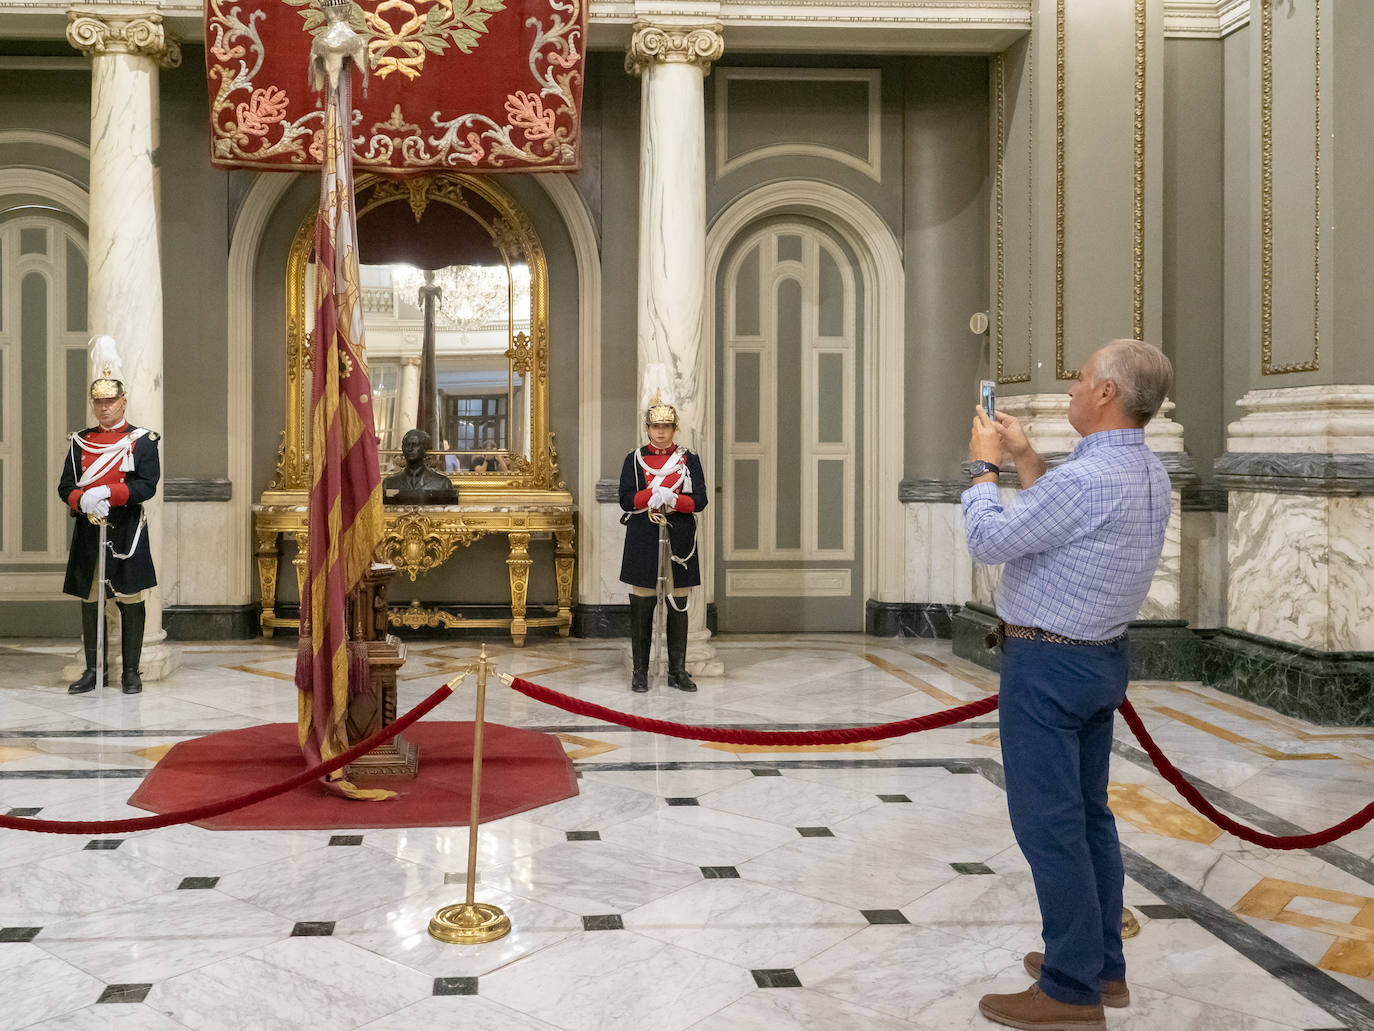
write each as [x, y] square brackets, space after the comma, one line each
[472, 922]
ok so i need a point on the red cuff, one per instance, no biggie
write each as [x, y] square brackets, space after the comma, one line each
[119, 494]
[642, 499]
[685, 503]
[74, 500]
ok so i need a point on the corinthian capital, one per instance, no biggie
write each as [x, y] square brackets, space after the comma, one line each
[94, 32]
[681, 44]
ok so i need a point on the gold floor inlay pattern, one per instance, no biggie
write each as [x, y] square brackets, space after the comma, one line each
[1142, 808]
[1351, 953]
[1237, 739]
[585, 747]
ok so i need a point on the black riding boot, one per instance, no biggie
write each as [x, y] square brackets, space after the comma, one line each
[678, 676]
[641, 638]
[90, 621]
[131, 620]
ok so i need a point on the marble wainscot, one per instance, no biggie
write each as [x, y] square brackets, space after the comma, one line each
[938, 574]
[1161, 644]
[1299, 636]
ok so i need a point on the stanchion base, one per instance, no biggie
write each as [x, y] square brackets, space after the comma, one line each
[464, 924]
[1130, 926]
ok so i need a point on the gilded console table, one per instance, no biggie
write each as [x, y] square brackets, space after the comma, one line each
[418, 538]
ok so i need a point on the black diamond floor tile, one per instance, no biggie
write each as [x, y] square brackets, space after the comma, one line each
[197, 883]
[346, 839]
[779, 977]
[682, 801]
[972, 868]
[19, 934]
[313, 929]
[125, 993]
[815, 832]
[713, 873]
[893, 798]
[584, 835]
[1157, 912]
[103, 844]
[605, 922]
[455, 986]
[884, 916]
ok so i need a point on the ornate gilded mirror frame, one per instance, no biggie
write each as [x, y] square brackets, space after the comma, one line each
[513, 234]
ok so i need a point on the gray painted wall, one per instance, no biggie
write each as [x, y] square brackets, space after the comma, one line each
[195, 254]
[1193, 240]
[1351, 143]
[945, 241]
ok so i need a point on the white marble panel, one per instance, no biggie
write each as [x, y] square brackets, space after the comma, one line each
[336, 983]
[470, 1012]
[612, 543]
[1351, 576]
[702, 836]
[767, 1010]
[106, 1017]
[752, 925]
[160, 937]
[823, 868]
[193, 570]
[617, 979]
[1277, 546]
[591, 877]
[1203, 569]
[1163, 601]
[938, 567]
[51, 986]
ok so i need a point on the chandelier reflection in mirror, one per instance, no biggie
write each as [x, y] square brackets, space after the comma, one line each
[472, 297]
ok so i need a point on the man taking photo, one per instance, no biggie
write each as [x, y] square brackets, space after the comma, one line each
[1080, 545]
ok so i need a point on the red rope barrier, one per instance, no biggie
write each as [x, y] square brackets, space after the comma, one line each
[228, 805]
[945, 718]
[722, 735]
[1195, 798]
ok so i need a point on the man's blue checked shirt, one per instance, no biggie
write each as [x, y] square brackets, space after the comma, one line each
[1081, 545]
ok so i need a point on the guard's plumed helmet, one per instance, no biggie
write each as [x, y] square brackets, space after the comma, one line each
[106, 369]
[660, 411]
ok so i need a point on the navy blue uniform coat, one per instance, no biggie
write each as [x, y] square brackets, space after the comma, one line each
[126, 576]
[639, 567]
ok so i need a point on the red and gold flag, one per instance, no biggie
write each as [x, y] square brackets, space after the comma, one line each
[344, 517]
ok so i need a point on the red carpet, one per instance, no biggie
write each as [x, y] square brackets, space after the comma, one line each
[521, 770]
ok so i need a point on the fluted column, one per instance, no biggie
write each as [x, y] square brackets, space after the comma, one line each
[125, 291]
[673, 61]
[408, 403]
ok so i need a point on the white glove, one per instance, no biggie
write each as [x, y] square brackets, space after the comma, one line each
[663, 497]
[101, 508]
[100, 492]
[92, 500]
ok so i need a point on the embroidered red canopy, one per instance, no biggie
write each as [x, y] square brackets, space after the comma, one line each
[473, 85]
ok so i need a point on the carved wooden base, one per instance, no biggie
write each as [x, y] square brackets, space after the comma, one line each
[397, 758]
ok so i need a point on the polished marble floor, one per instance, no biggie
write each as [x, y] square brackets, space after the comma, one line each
[687, 886]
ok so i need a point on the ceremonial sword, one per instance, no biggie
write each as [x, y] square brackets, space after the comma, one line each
[100, 658]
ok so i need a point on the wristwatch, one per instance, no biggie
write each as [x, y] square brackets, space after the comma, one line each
[980, 468]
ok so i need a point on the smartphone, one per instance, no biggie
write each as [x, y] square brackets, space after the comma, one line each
[987, 397]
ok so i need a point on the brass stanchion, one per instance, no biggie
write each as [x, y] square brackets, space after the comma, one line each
[471, 922]
[1130, 926]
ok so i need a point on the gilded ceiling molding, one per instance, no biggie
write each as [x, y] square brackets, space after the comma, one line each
[142, 35]
[672, 44]
[1268, 367]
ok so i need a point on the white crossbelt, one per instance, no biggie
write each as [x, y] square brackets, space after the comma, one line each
[676, 463]
[106, 455]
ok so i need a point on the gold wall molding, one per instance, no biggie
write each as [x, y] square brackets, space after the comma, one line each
[999, 72]
[1059, 371]
[1268, 366]
[1138, 142]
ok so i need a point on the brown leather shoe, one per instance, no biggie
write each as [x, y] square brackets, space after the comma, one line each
[1033, 1010]
[1114, 993]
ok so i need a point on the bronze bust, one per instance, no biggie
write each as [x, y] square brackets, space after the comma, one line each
[417, 484]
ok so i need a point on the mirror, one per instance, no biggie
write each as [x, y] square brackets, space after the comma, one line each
[455, 308]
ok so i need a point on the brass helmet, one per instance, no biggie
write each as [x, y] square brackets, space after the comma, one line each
[106, 369]
[660, 411]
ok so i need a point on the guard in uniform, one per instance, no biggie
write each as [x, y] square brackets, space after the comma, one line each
[660, 480]
[110, 470]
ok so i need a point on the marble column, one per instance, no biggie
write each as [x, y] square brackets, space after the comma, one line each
[125, 290]
[408, 404]
[672, 62]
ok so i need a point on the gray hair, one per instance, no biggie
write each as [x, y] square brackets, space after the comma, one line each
[1142, 373]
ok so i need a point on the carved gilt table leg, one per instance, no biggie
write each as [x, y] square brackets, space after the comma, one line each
[300, 562]
[519, 564]
[267, 556]
[563, 571]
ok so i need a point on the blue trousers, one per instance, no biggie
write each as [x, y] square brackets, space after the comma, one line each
[1056, 710]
